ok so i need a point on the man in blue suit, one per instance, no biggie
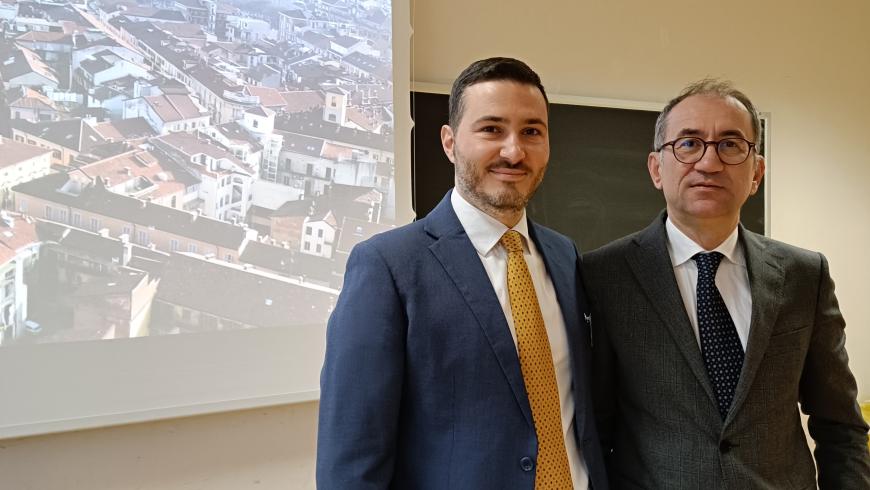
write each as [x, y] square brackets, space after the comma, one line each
[425, 385]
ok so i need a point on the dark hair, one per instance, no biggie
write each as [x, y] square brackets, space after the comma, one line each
[709, 87]
[490, 69]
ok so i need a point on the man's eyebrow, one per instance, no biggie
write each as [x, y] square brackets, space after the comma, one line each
[688, 132]
[728, 133]
[732, 132]
[501, 120]
[492, 119]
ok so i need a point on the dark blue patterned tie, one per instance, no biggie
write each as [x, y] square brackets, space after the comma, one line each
[720, 345]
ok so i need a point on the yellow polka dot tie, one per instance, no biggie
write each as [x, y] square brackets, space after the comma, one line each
[536, 362]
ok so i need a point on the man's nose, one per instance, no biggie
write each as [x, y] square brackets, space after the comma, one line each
[513, 150]
[710, 161]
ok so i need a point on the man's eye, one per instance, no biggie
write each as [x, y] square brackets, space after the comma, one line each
[489, 129]
[686, 144]
[533, 131]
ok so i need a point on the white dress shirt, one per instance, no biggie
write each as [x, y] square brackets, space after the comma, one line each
[732, 278]
[484, 231]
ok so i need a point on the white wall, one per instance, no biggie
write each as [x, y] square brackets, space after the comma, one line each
[30, 79]
[120, 69]
[804, 62]
[81, 54]
[257, 449]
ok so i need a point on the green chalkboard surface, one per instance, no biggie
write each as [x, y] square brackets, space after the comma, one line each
[597, 187]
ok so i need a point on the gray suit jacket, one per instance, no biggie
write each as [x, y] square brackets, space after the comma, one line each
[655, 406]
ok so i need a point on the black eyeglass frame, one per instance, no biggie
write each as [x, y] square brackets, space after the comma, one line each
[752, 146]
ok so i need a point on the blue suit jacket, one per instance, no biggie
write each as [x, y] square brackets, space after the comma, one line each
[421, 387]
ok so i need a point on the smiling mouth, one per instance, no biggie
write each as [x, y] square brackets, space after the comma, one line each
[508, 174]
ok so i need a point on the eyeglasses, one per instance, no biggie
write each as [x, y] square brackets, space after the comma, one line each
[690, 150]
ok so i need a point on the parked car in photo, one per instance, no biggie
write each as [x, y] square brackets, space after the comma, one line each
[32, 326]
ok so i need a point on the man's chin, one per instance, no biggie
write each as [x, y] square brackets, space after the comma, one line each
[707, 211]
[504, 199]
[507, 202]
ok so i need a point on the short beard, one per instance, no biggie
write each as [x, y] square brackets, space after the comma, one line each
[507, 200]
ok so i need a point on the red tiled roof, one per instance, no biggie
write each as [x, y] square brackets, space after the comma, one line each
[12, 152]
[302, 101]
[31, 99]
[269, 97]
[13, 239]
[125, 129]
[167, 177]
[174, 107]
[45, 37]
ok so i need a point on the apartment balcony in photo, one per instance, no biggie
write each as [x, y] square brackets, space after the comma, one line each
[241, 98]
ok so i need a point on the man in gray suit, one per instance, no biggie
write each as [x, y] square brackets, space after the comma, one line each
[707, 336]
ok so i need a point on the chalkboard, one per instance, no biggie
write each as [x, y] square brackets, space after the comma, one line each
[597, 187]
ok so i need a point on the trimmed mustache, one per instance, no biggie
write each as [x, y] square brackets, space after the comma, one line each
[506, 164]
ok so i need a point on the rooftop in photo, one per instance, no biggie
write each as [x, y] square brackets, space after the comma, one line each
[74, 134]
[12, 152]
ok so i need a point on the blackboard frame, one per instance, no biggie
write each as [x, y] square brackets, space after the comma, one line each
[590, 216]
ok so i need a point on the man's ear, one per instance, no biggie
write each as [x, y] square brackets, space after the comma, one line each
[448, 142]
[758, 175]
[654, 165]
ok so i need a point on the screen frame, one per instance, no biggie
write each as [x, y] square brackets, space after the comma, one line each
[69, 386]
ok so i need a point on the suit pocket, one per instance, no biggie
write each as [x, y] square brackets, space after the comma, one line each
[788, 342]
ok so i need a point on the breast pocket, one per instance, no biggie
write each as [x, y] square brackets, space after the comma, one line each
[793, 341]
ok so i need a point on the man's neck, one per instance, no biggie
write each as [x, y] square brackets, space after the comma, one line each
[708, 233]
[507, 217]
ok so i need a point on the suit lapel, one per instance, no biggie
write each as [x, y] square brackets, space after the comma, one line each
[564, 279]
[765, 281]
[457, 256]
[651, 264]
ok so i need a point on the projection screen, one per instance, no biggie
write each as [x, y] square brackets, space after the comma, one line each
[185, 182]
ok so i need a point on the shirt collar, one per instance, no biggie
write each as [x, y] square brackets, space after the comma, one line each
[682, 248]
[483, 230]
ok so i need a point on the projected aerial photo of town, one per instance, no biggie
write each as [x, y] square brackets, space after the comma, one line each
[182, 166]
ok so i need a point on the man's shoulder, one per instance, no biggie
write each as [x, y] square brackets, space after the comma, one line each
[551, 236]
[402, 239]
[785, 254]
[614, 250]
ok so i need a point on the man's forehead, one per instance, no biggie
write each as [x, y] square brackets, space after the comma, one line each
[504, 96]
[492, 87]
[696, 111]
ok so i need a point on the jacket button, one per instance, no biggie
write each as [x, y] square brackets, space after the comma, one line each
[527, 464]
[725, 446]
